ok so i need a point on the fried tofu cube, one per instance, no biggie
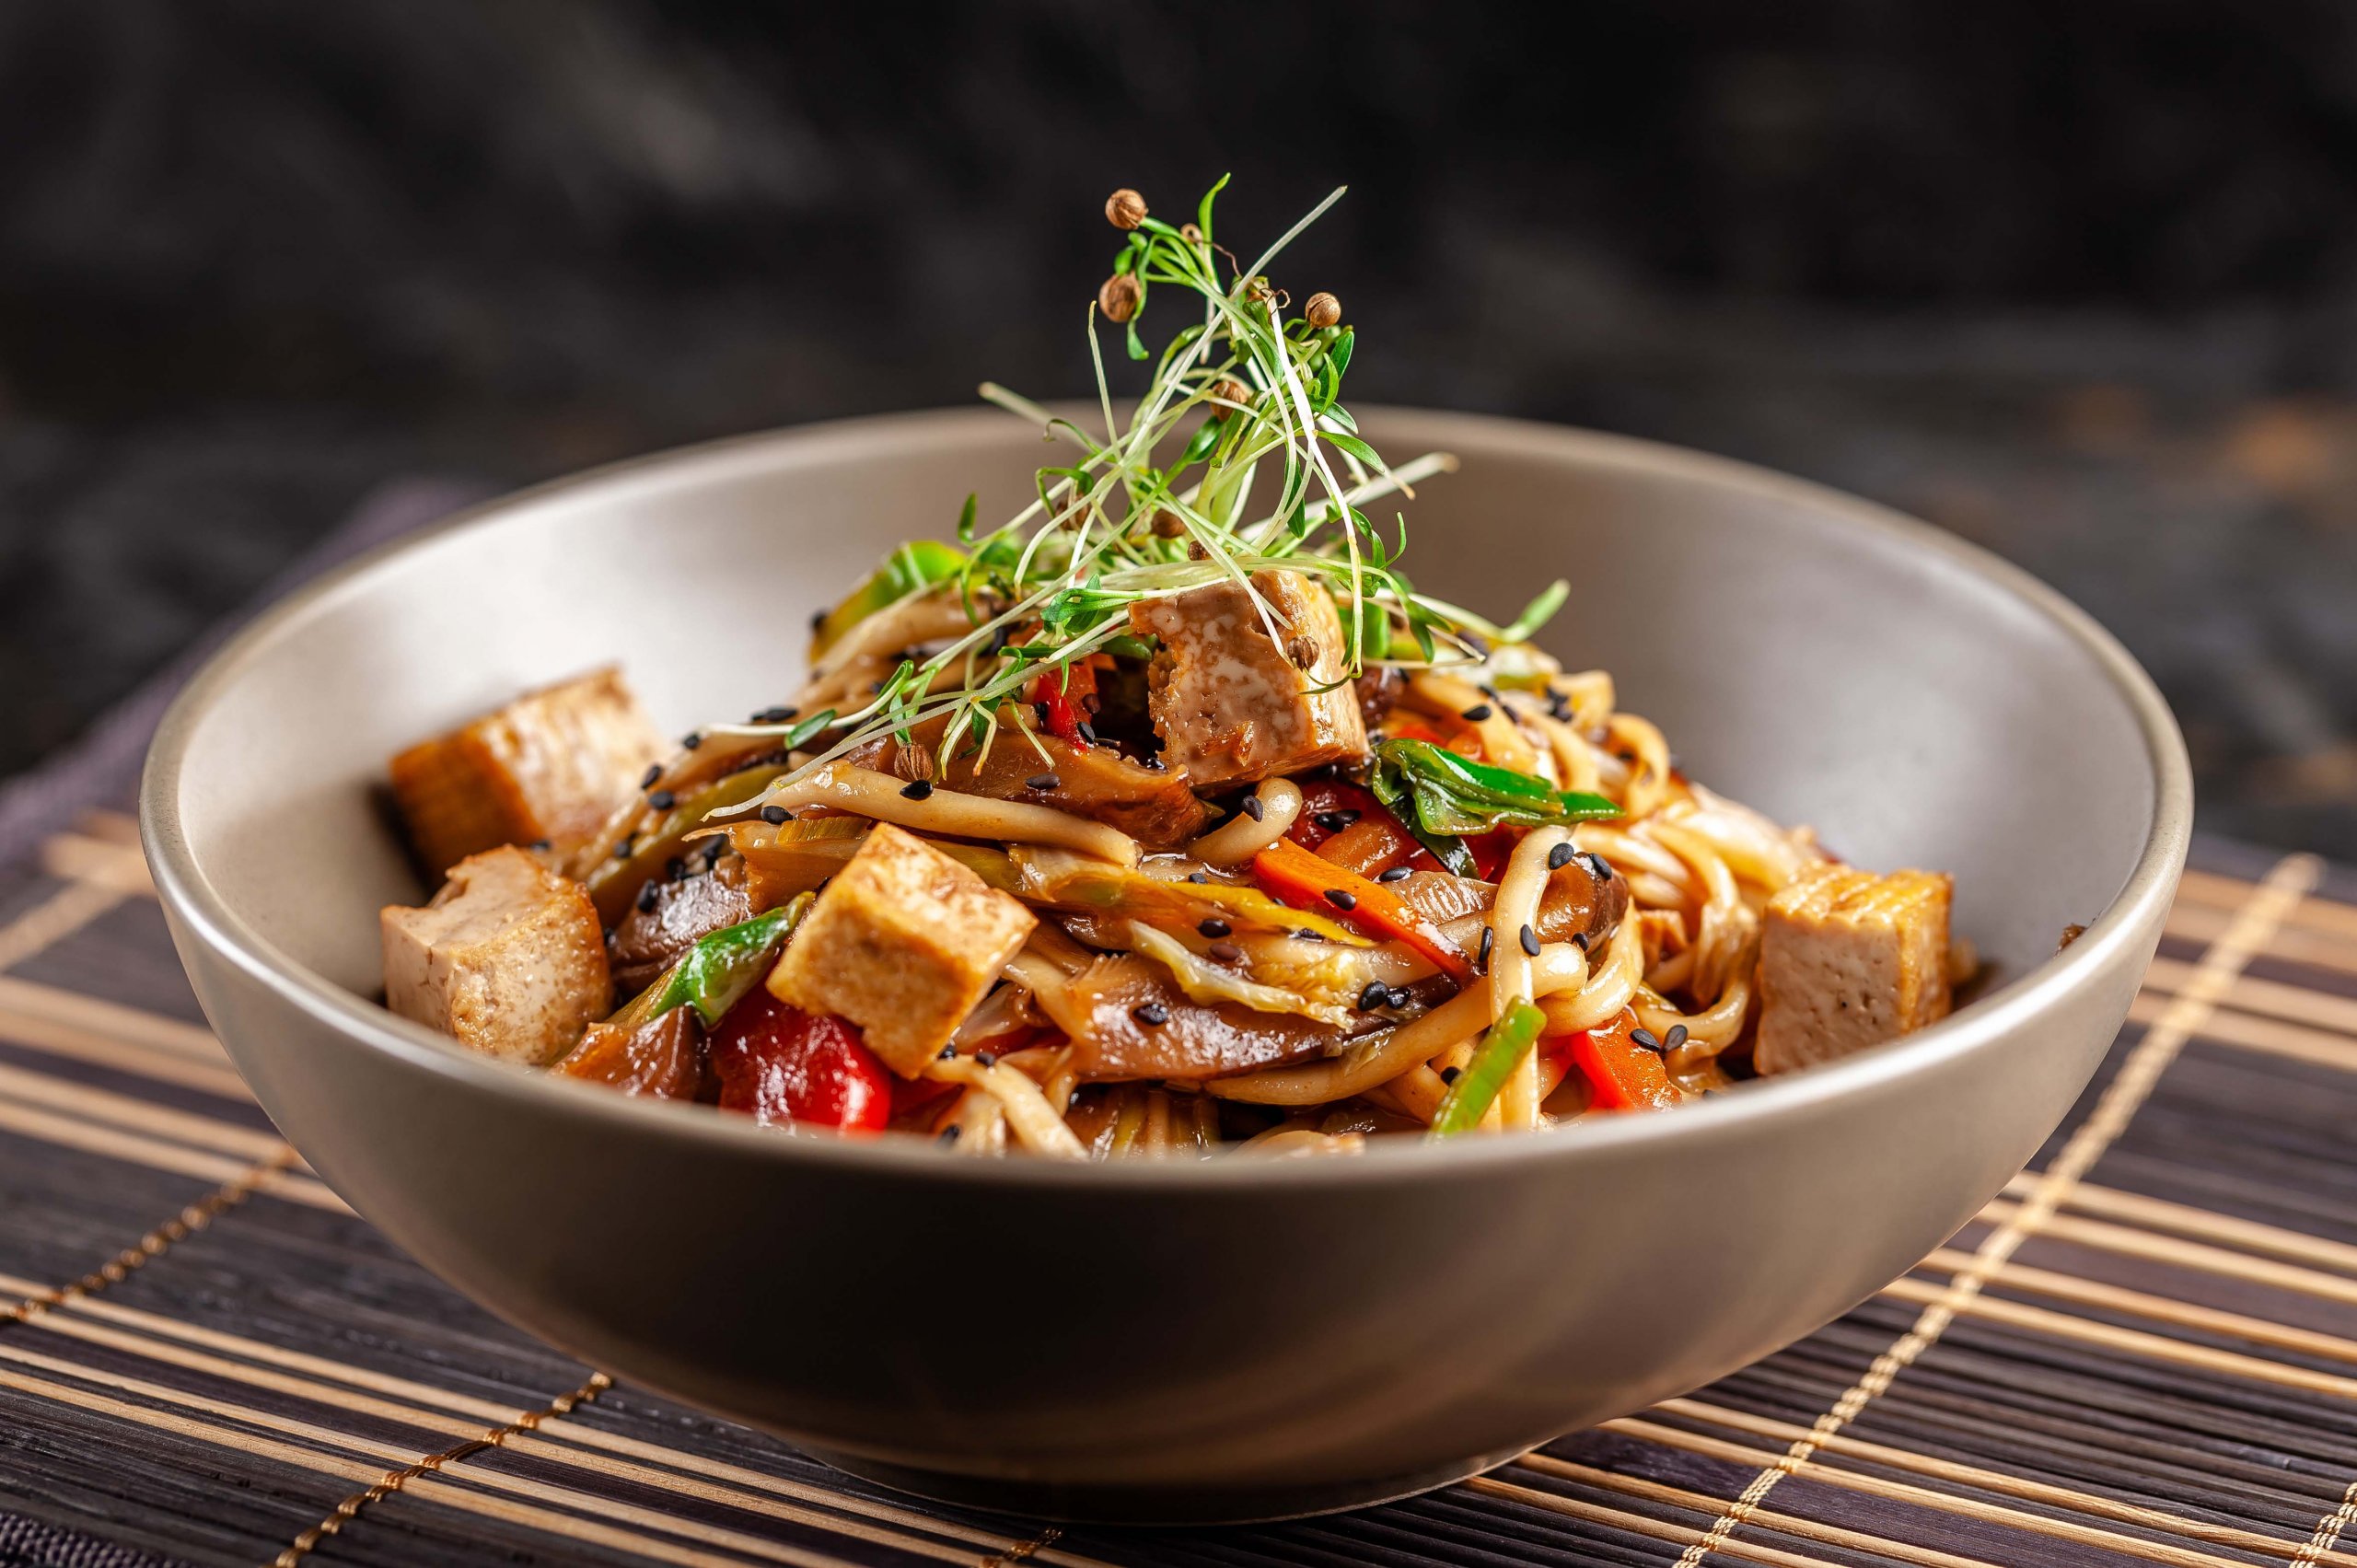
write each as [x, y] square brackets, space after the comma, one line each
[903, 942]
[1233, 705]
[552, 764]
[509, 958]
[1850, 958]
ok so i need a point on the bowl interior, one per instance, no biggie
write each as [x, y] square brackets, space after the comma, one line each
[1801, 652]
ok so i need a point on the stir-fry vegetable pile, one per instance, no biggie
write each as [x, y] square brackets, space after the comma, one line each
[1165, 815]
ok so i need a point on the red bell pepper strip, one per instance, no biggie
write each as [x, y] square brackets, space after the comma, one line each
[1490, 851]
[1466, 740]
[1625, 1076]
[780, 1065]
[1058, 693]
[1292, 874]
[1321, 797]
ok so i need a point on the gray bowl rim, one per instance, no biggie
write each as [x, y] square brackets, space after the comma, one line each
[183, 886]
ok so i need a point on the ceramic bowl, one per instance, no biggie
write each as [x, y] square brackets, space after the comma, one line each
[1224, 1340]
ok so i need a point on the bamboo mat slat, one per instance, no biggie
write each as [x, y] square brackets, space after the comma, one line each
[2143, 1351]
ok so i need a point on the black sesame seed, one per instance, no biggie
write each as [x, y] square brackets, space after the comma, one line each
[1336, 820]
[1560, 855]
[1376, 994]
[1644, 1038]
[1482, 958]
[1226, 952]
[1398, 996]
[1579, 940]
[647, 897]
[775, 716]
[986, 1059]
[654, 772]
[1087, 734]
[542, 844]
[918, 789]
[1529, 940]
[676, 868]
[1213, 926]
[691, 741]
[1199, 877]
[948, 1134]
[1040, 710]
[1601, 866]
[1675, 1037]
[712, 850]
[662, 800]
[1559, 707]
[1253, 808]
[1477, 713]
[1043, 781]
[1448, 1075]
[1307, 934]
[1341, 899]
[773, 815]
[946, 1053]
[1397, 873]
[623, 850]
[1152, 1014]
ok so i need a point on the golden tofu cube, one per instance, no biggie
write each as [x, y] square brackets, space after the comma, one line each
[1233, 704]
[903, 942]
[509, 958]
[1850, 958]
[552, 764]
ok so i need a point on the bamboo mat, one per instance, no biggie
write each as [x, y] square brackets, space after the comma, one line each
[2146, 1351]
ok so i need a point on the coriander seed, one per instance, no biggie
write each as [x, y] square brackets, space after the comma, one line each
[1119, 297]
[1125, 208]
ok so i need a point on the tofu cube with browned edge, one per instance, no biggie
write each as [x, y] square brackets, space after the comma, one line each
[1233, 704]
[903, 942]
[1848, 959]
[552, 764]
[509, 958]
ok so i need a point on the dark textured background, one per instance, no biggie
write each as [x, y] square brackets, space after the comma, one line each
[2077, 280]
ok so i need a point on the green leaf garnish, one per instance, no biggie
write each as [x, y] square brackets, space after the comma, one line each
[1537, 613]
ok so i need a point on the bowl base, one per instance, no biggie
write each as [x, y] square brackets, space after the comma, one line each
[1149, 1505]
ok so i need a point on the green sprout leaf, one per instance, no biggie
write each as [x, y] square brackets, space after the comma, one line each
[1203, 441]
[1537, 613]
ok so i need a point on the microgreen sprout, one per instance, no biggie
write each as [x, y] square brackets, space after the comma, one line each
[1243, 399]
